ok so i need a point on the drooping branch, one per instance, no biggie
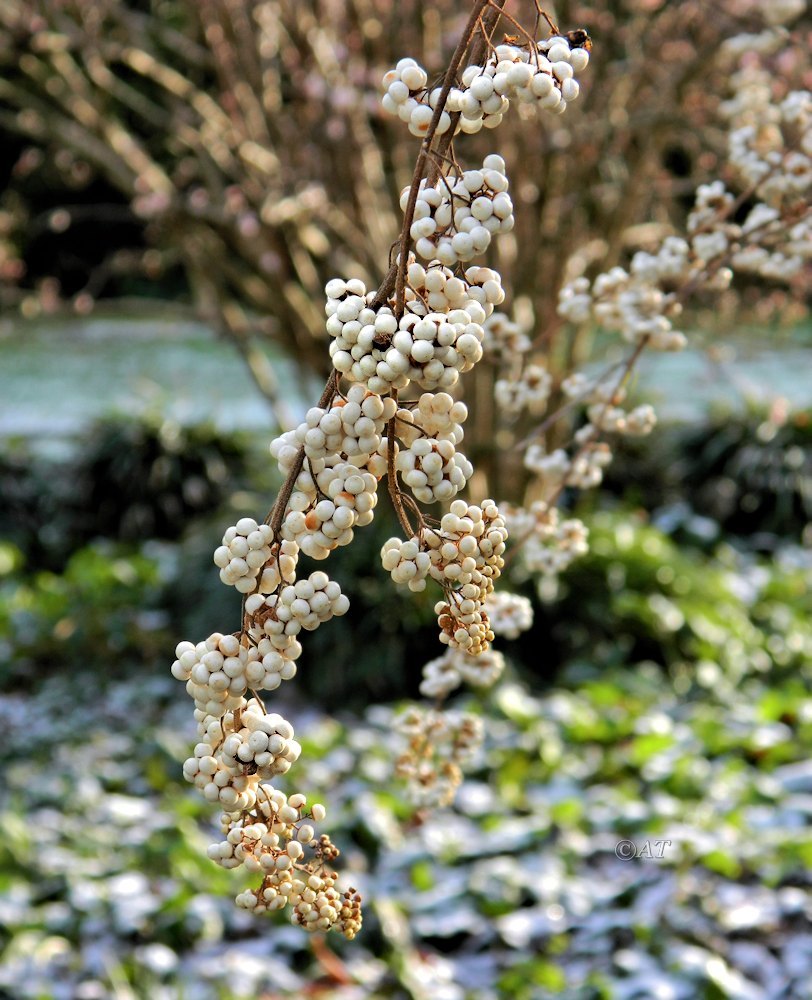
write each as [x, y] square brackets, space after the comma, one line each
[394, 280]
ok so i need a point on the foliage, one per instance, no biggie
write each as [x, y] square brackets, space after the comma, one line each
[642, 592]
[749, 473]
[104, 609]
[638, 595]
[128, 481]
[517, 892]
[753, 473]
[142, 480]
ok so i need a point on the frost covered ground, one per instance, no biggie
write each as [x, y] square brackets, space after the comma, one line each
[516, 892]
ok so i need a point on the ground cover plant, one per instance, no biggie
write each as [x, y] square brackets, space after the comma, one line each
[517, 891]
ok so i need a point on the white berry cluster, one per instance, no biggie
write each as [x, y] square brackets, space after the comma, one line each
[352, 427]
[231, 788]
[529, 392]
[548, 543]
[710, 202]
[510, 614]
[583, 470]
[315, 472]
[406, 96]
[466, 558]
[575, 301]
[637, 422]
[770, 148]
[428, 460]
[544, 79]
[228, 770]
[266, 831]
[768, 247]
[437, 743]
[463, 621]
[214, 671]
[444, 674]
[281, 845]
[774, 241]
[245, 550]
[264, 746]
[433, 469]
[436, 288]
[772, 152]
[305, 604]
[219, 670]
[602, 398]
[407, 562]
[375, 349]
[350, 496]
[504, 339]
[435, 415]
[241, 744]
[438, 337]
[542, 75]
[468, 546]
[712, 234]
[775, 266]
[455, 222]
[637, 308]
[638, 303]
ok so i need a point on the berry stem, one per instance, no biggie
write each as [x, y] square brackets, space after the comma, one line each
[392, 476]
[277, 513]
[395, 279]
[479, 52]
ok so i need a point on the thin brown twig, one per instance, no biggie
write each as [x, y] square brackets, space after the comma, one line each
[392, 477]
[477, 49]
[522, 30]
[543, 13]
[411, 502]
[277, 513]
[489, 46]
[423, 156]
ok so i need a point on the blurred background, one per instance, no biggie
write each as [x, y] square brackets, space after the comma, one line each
[178, 180]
